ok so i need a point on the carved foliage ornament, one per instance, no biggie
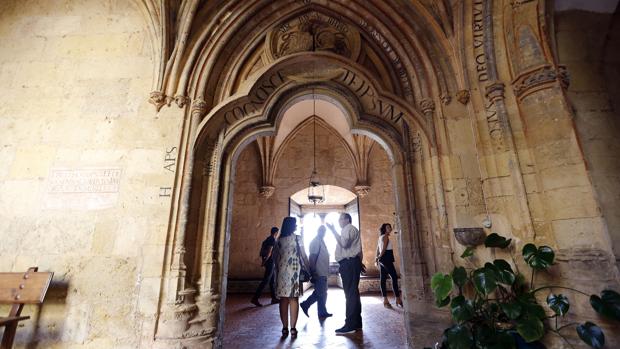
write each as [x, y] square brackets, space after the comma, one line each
[313, 31]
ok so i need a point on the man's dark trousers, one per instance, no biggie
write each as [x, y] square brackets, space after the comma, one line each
[350, 269]
[268, 277]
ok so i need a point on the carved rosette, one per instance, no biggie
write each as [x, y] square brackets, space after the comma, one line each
[535, 79]
[463, 96]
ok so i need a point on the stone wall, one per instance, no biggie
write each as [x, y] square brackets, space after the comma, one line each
[83, 156]
[593, 61]
[254, 216]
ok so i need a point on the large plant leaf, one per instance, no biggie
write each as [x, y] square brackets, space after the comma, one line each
[440, 303]
[558, 303]
[459, 276]
[489, 338]
[496, 240]
[461, 309]
[459, 337]
[469, 251]
[538, 258]
[441, 284]
[512, 309]
[530, 328]
[504, 272]
[485, 280]
[591, 334]
[608, 304]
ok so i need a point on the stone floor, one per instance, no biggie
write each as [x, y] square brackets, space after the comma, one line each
[247, 326]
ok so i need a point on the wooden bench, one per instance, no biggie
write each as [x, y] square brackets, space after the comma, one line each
[19, 289]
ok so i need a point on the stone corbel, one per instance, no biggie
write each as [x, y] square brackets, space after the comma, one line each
[363, 146]
[267, 158]
[361, 190]
[427, 106]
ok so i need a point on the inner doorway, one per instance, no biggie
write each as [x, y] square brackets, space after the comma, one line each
[253, 214]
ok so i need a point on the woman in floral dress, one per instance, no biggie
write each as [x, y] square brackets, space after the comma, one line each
[288, 251]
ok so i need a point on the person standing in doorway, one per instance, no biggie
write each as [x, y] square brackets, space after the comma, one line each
[385, 260]
[290, 257]
[319, 267]
[349, 256]
[266, 255]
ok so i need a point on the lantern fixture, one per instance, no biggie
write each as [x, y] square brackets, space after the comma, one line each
[316, 191]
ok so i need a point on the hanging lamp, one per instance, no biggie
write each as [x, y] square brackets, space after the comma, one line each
[316, 191]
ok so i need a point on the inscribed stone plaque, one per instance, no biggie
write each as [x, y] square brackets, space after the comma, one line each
[84, 189]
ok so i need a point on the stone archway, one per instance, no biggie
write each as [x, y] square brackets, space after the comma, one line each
[231, 126]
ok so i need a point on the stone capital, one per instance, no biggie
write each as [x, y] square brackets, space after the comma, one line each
[427, 106]
[199, 107]
[495, 91]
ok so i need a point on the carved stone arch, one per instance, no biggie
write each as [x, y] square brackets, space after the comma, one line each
[345, 79]
[198, 290]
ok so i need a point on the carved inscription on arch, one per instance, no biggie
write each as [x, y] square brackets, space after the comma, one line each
[256, 99]
[369, 97]
[478, 36]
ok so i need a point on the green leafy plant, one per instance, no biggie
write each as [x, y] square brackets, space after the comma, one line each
[495, 307]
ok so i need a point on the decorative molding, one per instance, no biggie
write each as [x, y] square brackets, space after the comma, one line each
[463, 96]
[536, 79]
[495, 91]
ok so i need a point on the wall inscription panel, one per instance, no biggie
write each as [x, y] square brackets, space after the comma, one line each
[84, 188]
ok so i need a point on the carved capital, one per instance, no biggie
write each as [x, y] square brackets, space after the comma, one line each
[199, 107]
[495, 91]
[462, 96]
[362, 190]
[427, 106]
[533, 80]
[266, 191]
[158, 99]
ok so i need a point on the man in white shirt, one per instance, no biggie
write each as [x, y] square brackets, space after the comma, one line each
[319, 266]
[349, 256]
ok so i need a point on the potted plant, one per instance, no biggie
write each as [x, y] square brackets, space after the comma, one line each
[495, 306]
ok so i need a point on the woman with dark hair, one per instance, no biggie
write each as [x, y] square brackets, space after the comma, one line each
[385, 260]
[289, 259]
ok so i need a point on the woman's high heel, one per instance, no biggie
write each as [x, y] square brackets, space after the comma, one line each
[293, 332]
[387, 305]
[284, 331]
[399, 302]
